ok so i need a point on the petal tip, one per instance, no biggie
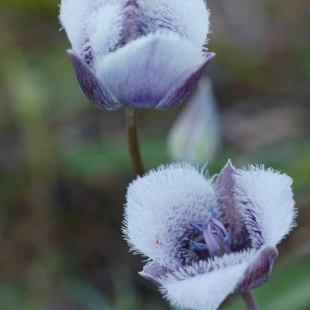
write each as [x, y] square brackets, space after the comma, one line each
[228, 171]
[259, 269]
[209, 55]
[229, 165]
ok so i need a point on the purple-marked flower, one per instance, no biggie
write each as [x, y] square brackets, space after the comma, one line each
[137, 53]
[207, 238]
[196, 135]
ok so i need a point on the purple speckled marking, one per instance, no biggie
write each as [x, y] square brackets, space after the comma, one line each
[92, 87]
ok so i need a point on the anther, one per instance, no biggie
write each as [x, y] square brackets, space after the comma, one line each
[199, 246]
[226, 239]
[212, 213]
[198, 228]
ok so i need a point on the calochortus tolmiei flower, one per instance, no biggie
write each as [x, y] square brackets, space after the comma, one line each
[205, 237]
[137, 53]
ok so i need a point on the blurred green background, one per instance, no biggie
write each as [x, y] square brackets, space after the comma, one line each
[64, 166]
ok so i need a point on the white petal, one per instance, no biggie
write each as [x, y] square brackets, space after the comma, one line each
[204, 292]
[189, 18]
[266, 202]
[91, 25]
[204, 286]
[142, 72]
[160, 207]
[74, 15]
[215, 263]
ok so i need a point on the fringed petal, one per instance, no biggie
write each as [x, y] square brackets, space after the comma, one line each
[205, 285]
[204, 292]
[189, 19]
[160, 208]
[94, 27]
[266, 203]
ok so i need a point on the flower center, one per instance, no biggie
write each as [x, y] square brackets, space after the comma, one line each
[216, 238]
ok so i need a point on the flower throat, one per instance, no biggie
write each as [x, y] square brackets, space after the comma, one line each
[215, 236]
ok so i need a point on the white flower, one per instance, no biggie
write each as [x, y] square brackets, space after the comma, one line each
[207, 238]
[137, 53]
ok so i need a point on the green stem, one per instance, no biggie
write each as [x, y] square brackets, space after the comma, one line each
[250, 300]
[133, 141]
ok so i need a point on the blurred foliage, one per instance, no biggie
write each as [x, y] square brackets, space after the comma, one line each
[64, 165]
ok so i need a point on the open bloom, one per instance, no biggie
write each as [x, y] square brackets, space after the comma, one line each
[136, 53]
[206, 238]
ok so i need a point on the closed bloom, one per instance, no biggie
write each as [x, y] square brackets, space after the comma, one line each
[207, 238]
[137, 53]
[196, 135]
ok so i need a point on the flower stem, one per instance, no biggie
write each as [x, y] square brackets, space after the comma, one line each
[133, 141]
[250, 300]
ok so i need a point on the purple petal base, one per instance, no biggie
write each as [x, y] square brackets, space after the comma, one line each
[92, 87]
[259, 270]
[154, 272]
[182, 90]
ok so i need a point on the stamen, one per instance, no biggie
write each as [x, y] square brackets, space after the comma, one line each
[198, 228]
[216, 237]
[226, 239]
[140, 25]
[199, 246]
[212, 213]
